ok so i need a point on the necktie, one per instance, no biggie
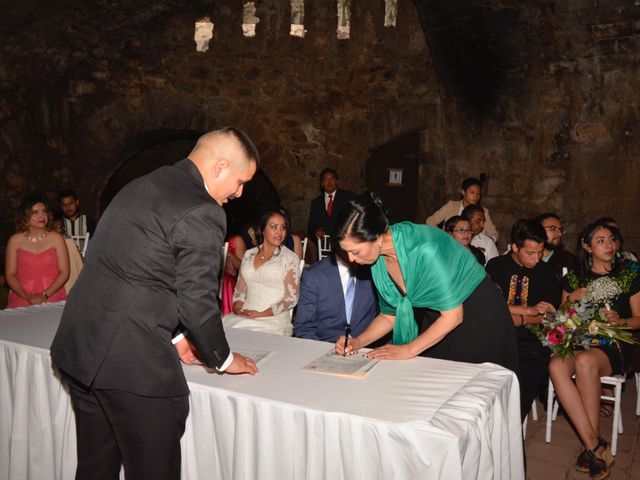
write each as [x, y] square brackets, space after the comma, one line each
[330, 204]
[348, 298]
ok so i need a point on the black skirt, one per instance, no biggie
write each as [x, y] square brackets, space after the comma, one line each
[486, 334]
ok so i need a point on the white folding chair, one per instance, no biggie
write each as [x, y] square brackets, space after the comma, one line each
[82, 241]
[534, 415]
[305, 241]
[223, 264]
[615, 382]
[324, 246]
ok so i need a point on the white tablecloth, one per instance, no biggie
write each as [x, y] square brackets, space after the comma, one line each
[419, 418]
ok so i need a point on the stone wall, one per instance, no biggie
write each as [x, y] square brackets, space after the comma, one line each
[86, 88]
[540, 96]
[543, 97]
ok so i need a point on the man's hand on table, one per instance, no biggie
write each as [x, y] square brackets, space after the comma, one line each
[242, 364]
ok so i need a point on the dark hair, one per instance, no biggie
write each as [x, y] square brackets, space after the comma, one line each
[24, 213]
[527, 229]
[67, 193]
[583, 257]
[362, 218]
[470, 182]
[543, 216]
[264, 218]
[328, 170]
[248, 146]
[469, 210]
[451, 223]
[607, 220]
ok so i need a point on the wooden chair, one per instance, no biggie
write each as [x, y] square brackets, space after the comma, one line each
[615, 382]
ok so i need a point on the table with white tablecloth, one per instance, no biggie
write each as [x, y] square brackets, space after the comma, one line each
[411, 419]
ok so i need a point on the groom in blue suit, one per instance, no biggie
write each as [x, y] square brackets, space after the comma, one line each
[321, 313]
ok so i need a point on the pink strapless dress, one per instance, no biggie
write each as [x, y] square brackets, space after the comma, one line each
[229, 282]
[36, 272]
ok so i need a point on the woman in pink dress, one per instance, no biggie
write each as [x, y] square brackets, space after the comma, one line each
[37, 260]
[231, 268]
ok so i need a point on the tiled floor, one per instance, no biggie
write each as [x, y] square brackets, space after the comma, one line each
[555, 460]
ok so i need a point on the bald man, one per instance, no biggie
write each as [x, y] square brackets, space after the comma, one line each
[153, 265]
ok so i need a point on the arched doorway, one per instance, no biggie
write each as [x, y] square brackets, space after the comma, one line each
[392, 173]
[156, 149]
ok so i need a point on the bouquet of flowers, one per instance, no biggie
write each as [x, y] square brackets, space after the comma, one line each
[581, 325]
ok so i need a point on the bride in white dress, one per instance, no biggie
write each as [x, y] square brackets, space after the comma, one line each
[268, 282]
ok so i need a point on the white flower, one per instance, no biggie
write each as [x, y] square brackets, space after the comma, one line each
[602, 290]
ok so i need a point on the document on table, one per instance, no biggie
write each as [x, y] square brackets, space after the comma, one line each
[332, 363]
[258, 356]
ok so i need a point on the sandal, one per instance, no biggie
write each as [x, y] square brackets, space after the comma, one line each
[583, 462]
[599, 466]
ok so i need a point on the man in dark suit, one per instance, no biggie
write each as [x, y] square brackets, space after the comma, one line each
[153, 265]
[325, 206]
[321, 313]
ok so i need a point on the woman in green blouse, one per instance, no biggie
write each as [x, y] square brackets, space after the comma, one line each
[432, 292]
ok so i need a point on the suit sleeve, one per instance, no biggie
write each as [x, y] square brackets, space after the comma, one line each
[197, 246]
[306, 321]
[438, 216]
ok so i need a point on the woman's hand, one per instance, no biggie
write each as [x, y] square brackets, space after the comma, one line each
[37, 299]
[577, 294]
[541, 308]
[254, 313]
[353, 345]
[392, 352]
[613, 318]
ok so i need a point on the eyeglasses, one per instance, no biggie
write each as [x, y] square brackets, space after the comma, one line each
[462, 230]
[554, 229]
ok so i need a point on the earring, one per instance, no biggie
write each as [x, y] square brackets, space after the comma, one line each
[589, 261]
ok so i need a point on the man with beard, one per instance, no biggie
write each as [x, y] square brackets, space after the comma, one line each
[554, 253]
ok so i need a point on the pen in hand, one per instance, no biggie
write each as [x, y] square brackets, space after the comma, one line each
[347, 331]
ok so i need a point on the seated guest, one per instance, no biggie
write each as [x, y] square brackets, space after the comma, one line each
[325, 205]
[231, 268]
[474, 214]
[460, 229]
[74, 222]
[37, 261]
[531, 289]
[627, 255]
[471, 191]
[268, 282]
[596, 258]
[327, 302]
[554, 253]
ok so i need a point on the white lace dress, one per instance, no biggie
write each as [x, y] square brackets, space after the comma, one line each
[275, 284]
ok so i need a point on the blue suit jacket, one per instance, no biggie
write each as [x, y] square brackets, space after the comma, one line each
[321, 314]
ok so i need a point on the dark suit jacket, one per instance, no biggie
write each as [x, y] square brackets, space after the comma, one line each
[321, 314]
[154, 263]
[318, 216]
